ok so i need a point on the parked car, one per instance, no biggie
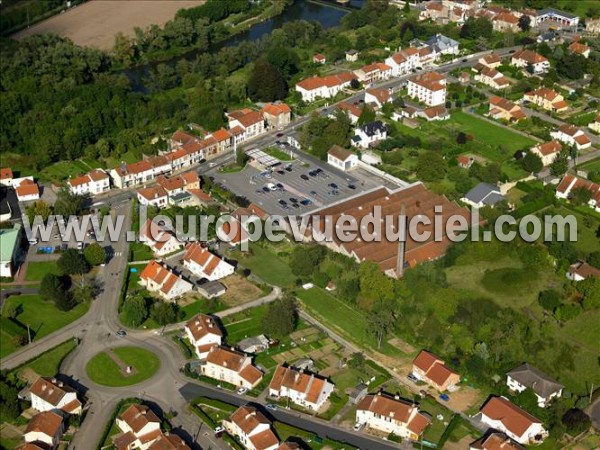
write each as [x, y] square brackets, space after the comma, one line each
[444, 397]
[242, 391]
[271, 406]
[351, 186]
[412, 377]
[293, 200]
[357, 426]
[121, 333]
[333, 185]
[304, 177]
[280, 187]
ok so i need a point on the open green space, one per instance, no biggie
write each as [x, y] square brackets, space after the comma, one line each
[48, 363]
[593, 165]
[36, 270]
[139, 252]
[244, 324]
[64, 169]
[42, 317]
[102, 369]
[278, 153]
[266, 265]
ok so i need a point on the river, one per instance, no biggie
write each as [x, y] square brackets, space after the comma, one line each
[327, 16]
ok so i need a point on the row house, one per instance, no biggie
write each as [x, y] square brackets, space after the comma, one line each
[433, 370]
[324, 87]
[547, 151]
[49, 394]
[303, 389]
[391, 415]
[230, 366]
[44, 430]
[203, 333]
[428, 87]
[160, 280]
[503, 109]
[373, 72]
[492, 78]
[500, 414]
[547, 98]
[245, 124]
[160, 240]
[249, 426]
[139, 172]
[277, 115]
[528, 377]
[525, 58]
[572, 136]
[403, 61]
[570, 182]
[94, 182]
[202, 263]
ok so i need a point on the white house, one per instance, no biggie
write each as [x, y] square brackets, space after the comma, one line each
[230, 366]
[443, 45]
[49, 394]
[428, 87]
[161, 241]
[251, 428]
[160, 280]
[301, 388]
[277, 115]
[369, 134]
[45, 428]
[571, 135]
[570, 182]
[324, 87]
[500, 414]
[352, 55]
[491, 60]
[595, 125]
[204, 333]
[201, 262]
[484, 194]
[140, 428]
[580, 49]
[581, 270]
[373, 72]
[26, 188]
[403, 61]
[94, 182]
[341, 158]
[526, 376]
[245, 124]
[492, 78]
[391, 415]
[524, 58]
[377, 97]
[153, 196]
[352, 111]
[547, 151]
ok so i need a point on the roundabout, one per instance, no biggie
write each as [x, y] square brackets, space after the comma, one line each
[122, 366]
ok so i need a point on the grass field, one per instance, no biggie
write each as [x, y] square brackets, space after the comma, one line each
[277, 153]
[244, 324]
[591, 165]
[48, 364]
[42, 317]
[64, 169]
[266, 266]
[102, 369]
[36, 270]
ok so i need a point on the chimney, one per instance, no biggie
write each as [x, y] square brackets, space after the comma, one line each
[402, 242]
[396, 397]
[296, 376]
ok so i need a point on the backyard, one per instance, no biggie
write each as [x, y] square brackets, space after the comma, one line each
[266, 265]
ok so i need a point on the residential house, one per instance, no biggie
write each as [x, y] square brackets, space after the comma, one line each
[581, 270]
[433, 371]
[595, 125]
[139, 426]
[548, 99]
[427, 56]
[502, 109]
[492, 78]
[433, 113]
[500, 414]
[45, 429]
[352, 111]
[373, 72]
[245, 124]
[49, 394]
[27, 189]
[341, 158]
[221, 141]
[153, 196]
[140, 172]
[234, 232]
[526, 58]
[464, 78]
[547, 151]
[6, 176]
[570, 182]
[377, 97]
[161, 280]
[201, 262]
[442, 45]
[491, 60]
[204, 333]
[369, 134]
[428, 87]
[571, 135]
[506, 21]
[277, 115]
[249, 426]
[352, 55]
[403, 61]
[578, 48]
[465, 161]
[526, 376]
[92, 183]
[484, 194]
[560, 18]
[303, 389]
[172, 185]
[324, 87]
[319, 58]
[191, 180]
[391, 415]
[495, 440]
[434, 11]
[9, 248]
[230, 366]
[160, 240]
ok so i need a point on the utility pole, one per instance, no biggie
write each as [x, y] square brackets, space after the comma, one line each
[28, 333]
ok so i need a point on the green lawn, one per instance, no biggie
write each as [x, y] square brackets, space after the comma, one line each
[139, 252]
[594, 165]
[266, 265]
[244, 324]
[42, 317]
[278, 153]
[48, 363]
[102, 369]
[36, 270]
[64, 169]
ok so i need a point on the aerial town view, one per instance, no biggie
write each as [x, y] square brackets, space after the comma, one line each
[300, 224]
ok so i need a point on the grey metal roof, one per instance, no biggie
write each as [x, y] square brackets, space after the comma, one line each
[486, 193]
[557, 12]
[212, 288]
[535, 379]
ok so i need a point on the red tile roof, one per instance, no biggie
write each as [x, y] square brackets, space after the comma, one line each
[396, 409]
[429, 80]
[138, 416]
[578, 48]
[529, 56]
[275, 109]
[201, 256]
[6, 173]
[514, 419]
[247, 418]
[27, 187]
[48, 423]
[203, 325]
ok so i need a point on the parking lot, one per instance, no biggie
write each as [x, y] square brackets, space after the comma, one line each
[296, 187]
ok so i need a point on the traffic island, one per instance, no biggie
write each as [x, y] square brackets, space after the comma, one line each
[122, 366]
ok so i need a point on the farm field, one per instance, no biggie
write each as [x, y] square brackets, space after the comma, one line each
[95, 24]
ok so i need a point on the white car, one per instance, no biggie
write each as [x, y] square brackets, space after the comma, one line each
[219, 429]
[242, 391]
[357, 426]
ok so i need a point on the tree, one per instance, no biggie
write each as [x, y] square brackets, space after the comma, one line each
[560, 165]
[72, 262]
[354, 83]
[65, 302]
[281, 317]
[380, 322]
[576, 421]
[164, 313]
[94, 254]
[549, 299]
[431, 166]
[134, 311]
[305, 260]
[474, 28]
[266, 83]
[594, 259]
[68, 204]
[10, 408]
[461, 138]
[241, 158]
[580, 196]
[39, 208]
[84, 290]
[52, 287]
[357, 360]
[525, 23]
[532, 163]
[367, 115]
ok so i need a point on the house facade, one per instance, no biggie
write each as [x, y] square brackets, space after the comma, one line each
[528, 377]
[204, 333]
[547, 151]
[572, 136]
[525, 58]
[203, 263]
[230, 366]
[373, 72]
[301, 388]
[548, 99]
[161, 241]
[153, 196]
[369, 134]
[429, 88]
[277, 115]
[341, 158]
[26, 188]
[45, 428]
[49, 394]
[570, 182]
[140, 427]
[252, 429]
[324, 87]
[492, 78]
[502, 109]
[92, 183]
